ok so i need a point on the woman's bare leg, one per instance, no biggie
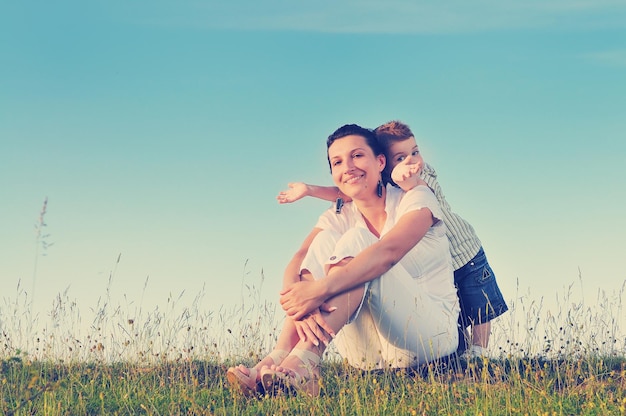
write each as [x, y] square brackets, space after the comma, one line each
[306, 369]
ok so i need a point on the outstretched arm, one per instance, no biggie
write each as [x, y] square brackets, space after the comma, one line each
[298, 190]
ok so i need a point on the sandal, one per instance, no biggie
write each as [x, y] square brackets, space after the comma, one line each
[290, 382]
[245, 383]
[249, 384]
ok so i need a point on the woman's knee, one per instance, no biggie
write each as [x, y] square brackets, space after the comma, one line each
[355, 240]
[318, 253]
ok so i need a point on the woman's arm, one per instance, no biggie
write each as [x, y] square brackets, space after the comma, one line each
[298, 190]
[292, 271]
[316, 329]
[299, 299]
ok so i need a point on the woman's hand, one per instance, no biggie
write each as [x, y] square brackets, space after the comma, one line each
[301, 298]
[296, 191]
[314, 328]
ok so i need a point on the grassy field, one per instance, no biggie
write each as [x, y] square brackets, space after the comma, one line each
[120, 359]
[585, 386]
[172, 361]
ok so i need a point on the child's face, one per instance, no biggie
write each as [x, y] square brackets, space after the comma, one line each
[399, 151]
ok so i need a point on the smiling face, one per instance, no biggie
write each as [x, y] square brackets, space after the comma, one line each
[354, 166]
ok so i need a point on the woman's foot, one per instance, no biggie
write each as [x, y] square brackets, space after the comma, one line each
[298, 373]
[248, 380]
[245, 380]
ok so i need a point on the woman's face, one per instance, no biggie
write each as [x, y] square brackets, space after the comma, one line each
[399, 151]
[354, 167]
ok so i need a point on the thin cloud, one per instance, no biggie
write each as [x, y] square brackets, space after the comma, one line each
[616, 57]
[392, 16]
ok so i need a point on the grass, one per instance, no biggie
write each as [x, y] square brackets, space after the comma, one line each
[506, 386]
[123, 359]
[172, 361]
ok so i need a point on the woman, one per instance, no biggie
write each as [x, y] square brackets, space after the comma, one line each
[480, 297]
[376, 272]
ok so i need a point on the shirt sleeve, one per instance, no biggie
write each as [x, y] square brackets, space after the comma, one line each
[330, 220]
[418, 198]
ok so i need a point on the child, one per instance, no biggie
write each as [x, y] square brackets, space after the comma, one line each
[479, 294]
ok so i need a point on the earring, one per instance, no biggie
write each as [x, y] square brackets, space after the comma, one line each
[338, 205]
[379, 189]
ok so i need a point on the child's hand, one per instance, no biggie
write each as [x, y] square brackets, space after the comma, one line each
[405, 170]
[296, 191]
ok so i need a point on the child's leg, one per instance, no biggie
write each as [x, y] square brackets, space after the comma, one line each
[480, 298]
[480, 334]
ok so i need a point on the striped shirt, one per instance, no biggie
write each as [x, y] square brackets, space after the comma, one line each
[464, 243]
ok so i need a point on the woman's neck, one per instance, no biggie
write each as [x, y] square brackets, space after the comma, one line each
[373, 212]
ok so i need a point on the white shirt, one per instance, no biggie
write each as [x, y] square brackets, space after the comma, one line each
[429, 256]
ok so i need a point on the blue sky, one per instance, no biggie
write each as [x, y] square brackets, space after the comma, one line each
[162, 132]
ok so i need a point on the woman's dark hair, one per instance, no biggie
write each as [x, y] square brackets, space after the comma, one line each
[355, 130]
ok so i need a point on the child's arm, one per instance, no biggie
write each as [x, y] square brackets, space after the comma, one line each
[405, 175]
[298, 190]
